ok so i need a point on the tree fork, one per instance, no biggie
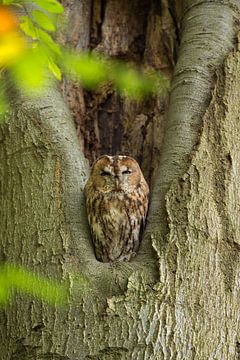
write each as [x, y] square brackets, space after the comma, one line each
[197, 297]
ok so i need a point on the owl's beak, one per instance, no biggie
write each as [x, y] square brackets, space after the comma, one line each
[117, 182]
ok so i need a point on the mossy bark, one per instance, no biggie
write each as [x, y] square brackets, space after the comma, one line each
[179, 301]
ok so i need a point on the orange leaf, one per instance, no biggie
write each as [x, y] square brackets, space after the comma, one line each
[8, 20]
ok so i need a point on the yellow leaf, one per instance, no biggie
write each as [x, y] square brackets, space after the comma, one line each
[11, 46]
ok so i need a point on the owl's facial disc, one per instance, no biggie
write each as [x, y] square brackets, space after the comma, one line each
[116, 174]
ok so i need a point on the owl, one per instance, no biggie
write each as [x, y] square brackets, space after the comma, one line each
[117, 203]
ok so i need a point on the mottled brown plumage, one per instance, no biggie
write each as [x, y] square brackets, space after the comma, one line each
[117, 203]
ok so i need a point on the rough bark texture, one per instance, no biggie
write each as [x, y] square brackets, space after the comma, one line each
[203, 211]
[187, 307]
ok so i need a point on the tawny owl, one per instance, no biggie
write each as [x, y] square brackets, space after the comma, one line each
[117, 203]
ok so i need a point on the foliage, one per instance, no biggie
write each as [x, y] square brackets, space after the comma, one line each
[16, 277]
[32, 56]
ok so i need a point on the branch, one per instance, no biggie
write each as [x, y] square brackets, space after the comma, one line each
[208, 33]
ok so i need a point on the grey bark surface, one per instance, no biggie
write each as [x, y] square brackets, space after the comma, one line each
[155, 307]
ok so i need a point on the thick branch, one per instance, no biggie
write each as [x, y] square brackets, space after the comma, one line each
[208, 34]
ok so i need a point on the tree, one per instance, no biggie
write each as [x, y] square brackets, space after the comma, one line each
[179, 298]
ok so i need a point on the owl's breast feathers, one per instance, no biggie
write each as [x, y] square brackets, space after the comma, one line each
[117, 220]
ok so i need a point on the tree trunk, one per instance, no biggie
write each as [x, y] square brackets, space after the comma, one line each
[179, 298]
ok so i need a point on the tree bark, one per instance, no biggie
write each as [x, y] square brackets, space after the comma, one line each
[179, 300]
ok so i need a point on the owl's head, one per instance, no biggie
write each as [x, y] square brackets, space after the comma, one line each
[116, 174]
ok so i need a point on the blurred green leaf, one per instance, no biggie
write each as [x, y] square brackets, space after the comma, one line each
[92, 70]
[19, 278]
[43, 20]
[136, 84]
[129, 81]
[4, 292]
[89, 69]
[30, 71]
[54, 69]
[27, 27]
[51, 6]
[48, 41]
[12, 2]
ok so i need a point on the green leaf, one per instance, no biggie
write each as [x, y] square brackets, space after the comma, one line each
[130, 82]
[12, 2]
[19, 278]
[48, 41]
[4, 292]
[27, 27]
[54, 69]
[135, 84]
[30, 71]
[51, 6]
[92, 70]
[89, 69]
[43, 20]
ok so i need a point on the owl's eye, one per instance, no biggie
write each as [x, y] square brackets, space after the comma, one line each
[105, 173]
[128, 171]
